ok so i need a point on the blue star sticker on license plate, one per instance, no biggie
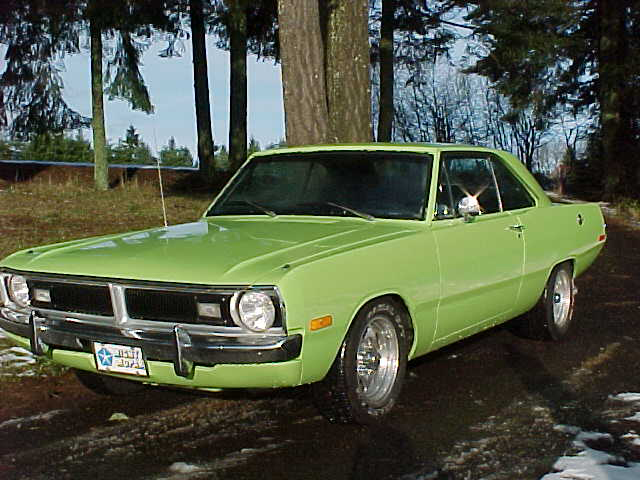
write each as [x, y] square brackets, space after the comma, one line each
[105, 357]
[120, 359]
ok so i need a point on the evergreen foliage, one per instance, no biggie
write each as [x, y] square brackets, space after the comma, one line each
[553, 55]
[8, 151]
[254, 146]
[173, 156]
[131, 150]
[56, 147]
[549, 65]
[222, 162]
[38, 35]
[262, 28]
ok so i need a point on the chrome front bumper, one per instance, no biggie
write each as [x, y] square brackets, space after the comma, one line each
[183, 345]
[179, 341]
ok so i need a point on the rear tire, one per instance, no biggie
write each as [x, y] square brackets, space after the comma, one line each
[367, 375]
[552, 317]
[105, 385]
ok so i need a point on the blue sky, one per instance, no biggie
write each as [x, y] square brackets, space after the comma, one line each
[170, 83]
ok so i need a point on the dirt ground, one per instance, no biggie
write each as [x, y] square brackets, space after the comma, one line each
[486, 408]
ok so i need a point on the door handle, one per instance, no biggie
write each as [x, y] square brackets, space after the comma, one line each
[518, 227]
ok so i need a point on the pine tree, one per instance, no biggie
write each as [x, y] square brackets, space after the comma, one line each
[577, 55]
[38, 35]
[131, 150]
[173, 156]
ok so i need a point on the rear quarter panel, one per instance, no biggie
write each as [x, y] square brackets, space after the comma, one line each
[554, 234]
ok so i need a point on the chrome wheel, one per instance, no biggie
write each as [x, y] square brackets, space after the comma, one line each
[366, 377]
[552, 316]
[561, 298]
[377, 361]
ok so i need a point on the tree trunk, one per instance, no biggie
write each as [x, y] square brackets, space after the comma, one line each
[238, 84]
[100, 160]
[303, 73]
[201, 90]
[620, 178]
[385, 106]
[347, 71]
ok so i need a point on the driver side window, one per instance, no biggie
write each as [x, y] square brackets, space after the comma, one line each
[478, 175]
[466, 174]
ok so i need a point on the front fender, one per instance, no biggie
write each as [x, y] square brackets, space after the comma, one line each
[339, 285]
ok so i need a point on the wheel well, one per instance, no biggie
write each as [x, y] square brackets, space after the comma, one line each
[400, 303]
[569, 261]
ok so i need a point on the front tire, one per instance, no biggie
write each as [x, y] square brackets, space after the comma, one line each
[366, 377]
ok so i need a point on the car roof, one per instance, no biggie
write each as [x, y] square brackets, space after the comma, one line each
[374, 147]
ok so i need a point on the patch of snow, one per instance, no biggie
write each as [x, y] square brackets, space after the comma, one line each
[421, 476]
[249, 451]
[634, 418]
[634, 439]
[626, 397]
[17, 355]
[589, 463]
[26, 421]
[187, 471]
[16, 352]
[183, 467]
[585, 437]
[15, 361]
[571, 430]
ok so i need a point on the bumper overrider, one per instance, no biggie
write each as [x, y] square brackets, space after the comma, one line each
[167, 321]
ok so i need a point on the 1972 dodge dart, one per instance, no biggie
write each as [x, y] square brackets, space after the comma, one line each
[330, 265]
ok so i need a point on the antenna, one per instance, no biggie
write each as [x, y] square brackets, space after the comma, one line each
[164, 208]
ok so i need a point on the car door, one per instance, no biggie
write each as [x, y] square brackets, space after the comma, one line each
[482, 256]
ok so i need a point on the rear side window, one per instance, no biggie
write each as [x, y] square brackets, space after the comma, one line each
[479, 175]
[512, 192]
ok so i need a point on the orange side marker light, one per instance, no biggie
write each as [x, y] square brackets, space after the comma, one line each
[321, 322]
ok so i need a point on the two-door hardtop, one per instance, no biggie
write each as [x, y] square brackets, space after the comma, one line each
[331, 265]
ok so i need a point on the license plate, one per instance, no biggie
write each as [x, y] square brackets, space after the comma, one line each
[120, 359]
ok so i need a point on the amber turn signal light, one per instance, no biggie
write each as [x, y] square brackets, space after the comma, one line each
[321, 322]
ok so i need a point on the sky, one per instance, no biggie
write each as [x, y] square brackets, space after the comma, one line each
[170, 84]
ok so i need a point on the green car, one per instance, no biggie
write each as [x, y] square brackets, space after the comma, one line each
[330, 265]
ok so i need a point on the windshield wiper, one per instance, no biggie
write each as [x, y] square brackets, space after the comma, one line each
[358, 213]
[271, 213]
[255, 205]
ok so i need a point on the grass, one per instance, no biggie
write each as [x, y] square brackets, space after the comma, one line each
[38, 213]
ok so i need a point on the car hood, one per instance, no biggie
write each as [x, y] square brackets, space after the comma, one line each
[235, 251]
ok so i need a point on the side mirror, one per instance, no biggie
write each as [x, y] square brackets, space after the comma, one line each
[468, 207]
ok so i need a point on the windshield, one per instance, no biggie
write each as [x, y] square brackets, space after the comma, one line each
[363, 184]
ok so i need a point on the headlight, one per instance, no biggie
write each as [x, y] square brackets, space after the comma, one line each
[19, 290]
[253, 310]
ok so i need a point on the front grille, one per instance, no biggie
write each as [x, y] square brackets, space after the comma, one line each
[172, 304]
[166, 306]
[67, 297]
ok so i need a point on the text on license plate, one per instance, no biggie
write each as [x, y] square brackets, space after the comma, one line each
[119, 359]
